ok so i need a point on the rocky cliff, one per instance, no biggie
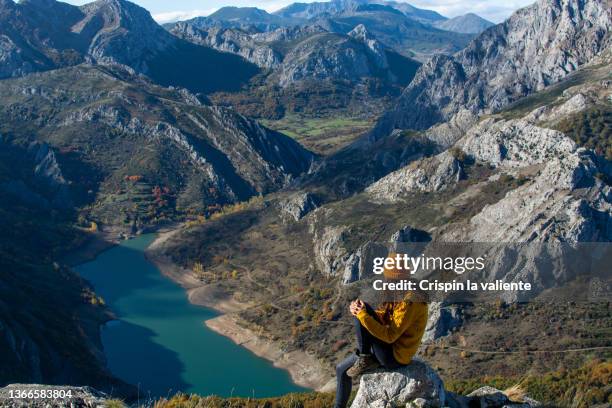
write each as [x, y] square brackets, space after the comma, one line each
[538, 46]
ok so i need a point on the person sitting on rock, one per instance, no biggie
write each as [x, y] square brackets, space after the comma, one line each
[388, 337]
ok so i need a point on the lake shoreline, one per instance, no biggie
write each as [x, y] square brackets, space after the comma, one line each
[305, 370]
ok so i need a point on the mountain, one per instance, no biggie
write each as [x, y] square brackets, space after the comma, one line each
[264, 49]
[307, 66]
[420, 15]
[309, 11]
[300, 53]
[395, 30]
[537, 46]
[318, 9]
[39, 35]
[243, 17]
[399, 26]
[133, 154]
[469, 24]
[246, 14]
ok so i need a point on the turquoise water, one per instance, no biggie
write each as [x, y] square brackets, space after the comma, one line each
[160, 342]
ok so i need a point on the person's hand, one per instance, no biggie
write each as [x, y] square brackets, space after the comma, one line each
[356, 307]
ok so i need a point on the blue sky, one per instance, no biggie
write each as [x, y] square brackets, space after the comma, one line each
[165, 11]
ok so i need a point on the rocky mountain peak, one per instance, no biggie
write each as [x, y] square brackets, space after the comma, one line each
[469, 23]
[537, 46]
[121, 13]
[361, 33]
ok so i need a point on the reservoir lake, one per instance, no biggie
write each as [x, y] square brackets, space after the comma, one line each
[160, 342]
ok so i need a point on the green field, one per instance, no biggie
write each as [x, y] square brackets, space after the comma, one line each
[321, 135]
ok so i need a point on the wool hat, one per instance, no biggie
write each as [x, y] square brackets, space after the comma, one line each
[395, 273]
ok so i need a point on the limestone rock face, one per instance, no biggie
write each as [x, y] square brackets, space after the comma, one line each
[409, 234]
[326, 56]
[361, 33]
[441, 320]
[427, 175]
[564, 189]
[359, 264]
[298, 205]
[330, 254]
[537, 46]
[250, 47]
[401, 387]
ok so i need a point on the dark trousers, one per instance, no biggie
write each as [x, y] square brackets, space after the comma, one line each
[366, 344]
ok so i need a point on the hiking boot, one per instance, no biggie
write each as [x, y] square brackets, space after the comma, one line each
[364, 363]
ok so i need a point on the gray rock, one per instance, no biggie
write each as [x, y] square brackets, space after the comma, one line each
[377, 50]
[330, 254]
[401, 387]
[328, 56]
[232, 40]
[360, 264]
[409, 234]
[489, 397]
[299, 205]
[441, 320]
[426, 175]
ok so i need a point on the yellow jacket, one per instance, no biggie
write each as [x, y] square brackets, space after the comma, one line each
[402, 326]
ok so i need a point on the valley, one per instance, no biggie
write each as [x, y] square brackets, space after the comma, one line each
[182, 204]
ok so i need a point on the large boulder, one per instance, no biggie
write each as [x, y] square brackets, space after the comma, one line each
[416, 384]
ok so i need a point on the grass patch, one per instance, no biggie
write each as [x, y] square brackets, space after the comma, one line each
[591, 128]
[306, 400]
[323, 135]
[583, 387]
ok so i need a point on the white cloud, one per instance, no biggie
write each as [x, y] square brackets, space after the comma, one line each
[171, 16]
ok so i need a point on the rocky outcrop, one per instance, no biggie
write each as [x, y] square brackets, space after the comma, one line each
[230, 40]
[417, 385]
[409, 234]
[298, 205]
[80, 397]
[565, 199]
[330, 254]
[360, 263]
[442, 319]
[426, 175]
[121, 32]
[413, 385]
[377, 50]
[329, 56]
[537, 46]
